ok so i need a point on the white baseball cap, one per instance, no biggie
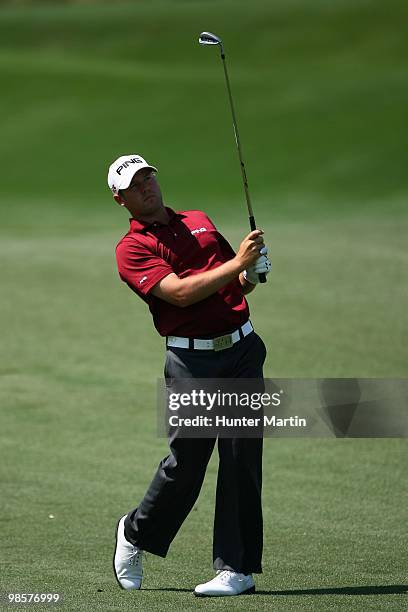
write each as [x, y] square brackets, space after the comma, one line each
[123, 169]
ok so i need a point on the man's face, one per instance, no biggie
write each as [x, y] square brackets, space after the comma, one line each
[143, 196]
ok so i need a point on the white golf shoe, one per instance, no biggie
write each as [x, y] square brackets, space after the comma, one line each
[127, 561]
[226, 583]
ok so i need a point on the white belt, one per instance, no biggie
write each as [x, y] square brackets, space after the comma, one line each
[211, 344]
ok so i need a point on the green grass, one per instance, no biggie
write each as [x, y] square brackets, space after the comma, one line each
[79, 367]
[321, 93]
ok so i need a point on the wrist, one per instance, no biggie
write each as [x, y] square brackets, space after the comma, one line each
[240, 265]
[247, 287]
[252, 279]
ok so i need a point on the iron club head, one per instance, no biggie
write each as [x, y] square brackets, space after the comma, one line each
[207, 38]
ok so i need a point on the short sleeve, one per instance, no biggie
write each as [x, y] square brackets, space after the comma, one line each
[139, 267]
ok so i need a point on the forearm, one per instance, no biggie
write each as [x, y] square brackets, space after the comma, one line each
[197, 287]
[184, 292]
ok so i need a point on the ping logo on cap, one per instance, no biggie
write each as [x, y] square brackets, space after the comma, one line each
[132, 160]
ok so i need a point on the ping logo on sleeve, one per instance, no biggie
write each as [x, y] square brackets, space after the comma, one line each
[199, 230]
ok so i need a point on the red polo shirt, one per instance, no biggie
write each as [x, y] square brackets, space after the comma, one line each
[188, 244]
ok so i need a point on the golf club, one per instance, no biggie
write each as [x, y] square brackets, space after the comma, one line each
[207, 38]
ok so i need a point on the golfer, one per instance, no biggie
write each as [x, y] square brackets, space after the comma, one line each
[194, 285]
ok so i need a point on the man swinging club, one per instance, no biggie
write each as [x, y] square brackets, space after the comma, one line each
[194, 284]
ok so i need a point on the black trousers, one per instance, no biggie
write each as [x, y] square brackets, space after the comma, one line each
[238, 533]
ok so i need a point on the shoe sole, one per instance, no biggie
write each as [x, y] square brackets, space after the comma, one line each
[249, 591]
[114, 553]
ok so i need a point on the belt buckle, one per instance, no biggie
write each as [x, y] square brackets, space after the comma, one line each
[222, 342]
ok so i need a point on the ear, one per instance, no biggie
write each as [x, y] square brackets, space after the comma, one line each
[118, 199]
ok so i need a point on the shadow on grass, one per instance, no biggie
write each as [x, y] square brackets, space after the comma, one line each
[389, 589]
[170, 589]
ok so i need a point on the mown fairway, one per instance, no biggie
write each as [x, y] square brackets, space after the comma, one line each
[321, 93]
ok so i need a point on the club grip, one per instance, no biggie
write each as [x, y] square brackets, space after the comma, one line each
[252, 225]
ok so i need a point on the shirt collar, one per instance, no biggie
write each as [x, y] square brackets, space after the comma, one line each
[139, 226]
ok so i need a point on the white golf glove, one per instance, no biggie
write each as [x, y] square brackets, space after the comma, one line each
[261, 266]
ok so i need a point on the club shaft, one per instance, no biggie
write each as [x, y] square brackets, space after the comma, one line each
[252, 223]
[237, 140]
